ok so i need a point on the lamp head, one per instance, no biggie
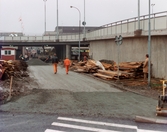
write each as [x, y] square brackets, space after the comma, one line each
[71, 6]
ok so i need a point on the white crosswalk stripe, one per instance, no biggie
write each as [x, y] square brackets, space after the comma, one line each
[104, 125]
[82, 127]
[97, 123]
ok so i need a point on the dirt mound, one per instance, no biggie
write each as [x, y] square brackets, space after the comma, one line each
[17, 70]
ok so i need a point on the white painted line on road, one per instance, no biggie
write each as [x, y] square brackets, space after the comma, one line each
[97, 123]
[143, 130]
[82, 127]
[50, 130]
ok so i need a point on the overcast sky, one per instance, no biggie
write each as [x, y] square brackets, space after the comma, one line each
[97, 13]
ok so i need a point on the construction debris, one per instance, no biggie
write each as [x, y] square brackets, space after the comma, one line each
[107, 69]
[16, 68]
[10, 73]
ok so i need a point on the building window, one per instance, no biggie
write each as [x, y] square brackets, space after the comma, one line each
[7, 52]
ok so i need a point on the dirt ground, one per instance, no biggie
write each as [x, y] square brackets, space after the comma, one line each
[62, 100]
[139, 86]
[19, 86]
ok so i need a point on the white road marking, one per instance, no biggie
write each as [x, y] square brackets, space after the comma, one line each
[143, 130]
[82, 127]
[97, 123]
[50, 130]
[92, 128]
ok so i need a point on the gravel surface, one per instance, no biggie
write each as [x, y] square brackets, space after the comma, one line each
[82, 95]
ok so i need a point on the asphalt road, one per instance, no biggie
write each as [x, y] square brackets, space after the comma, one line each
[25, 122]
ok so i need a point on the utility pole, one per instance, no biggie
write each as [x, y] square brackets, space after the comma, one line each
[149, 48]
[138, 14]
[57, 29]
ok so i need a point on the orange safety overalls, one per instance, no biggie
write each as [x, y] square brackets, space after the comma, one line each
[67, 65]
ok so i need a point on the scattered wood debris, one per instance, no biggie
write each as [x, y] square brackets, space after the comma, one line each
[11, 69]
[15, 68]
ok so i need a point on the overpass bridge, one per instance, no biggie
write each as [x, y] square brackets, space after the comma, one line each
[125, 28]
[102, 45]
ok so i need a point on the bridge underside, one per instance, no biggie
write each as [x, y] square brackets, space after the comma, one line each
[62, 50]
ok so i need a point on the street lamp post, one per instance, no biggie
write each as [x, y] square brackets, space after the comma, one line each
[152, 8]
[84, 21]
[138, 14]
[57, 29]
[149, 48]
[45, 15]
[79, 30]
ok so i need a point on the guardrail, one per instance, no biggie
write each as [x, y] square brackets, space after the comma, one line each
[158, 22]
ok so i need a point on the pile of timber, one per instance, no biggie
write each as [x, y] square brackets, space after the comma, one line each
[108, 64]
[108, 69]
[126, 70]
[15, 68]
[89, 66]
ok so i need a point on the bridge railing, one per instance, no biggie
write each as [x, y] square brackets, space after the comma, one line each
[74, 37]
[158, 22]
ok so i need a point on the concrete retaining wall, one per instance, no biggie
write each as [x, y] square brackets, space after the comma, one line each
[134, 49]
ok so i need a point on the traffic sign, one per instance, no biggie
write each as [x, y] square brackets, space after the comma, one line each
[83, 23]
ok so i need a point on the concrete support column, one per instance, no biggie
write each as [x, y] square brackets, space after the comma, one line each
[68, 51]
[23, 51]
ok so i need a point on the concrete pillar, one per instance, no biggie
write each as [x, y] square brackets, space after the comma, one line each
[68, 51]
[23, 51]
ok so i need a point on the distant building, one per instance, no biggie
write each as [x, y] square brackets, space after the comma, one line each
[8, 53]
[64, 30]
[5, 34]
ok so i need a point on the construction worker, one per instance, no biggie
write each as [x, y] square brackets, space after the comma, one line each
[67, 64]
[145, 66]
[55, 61]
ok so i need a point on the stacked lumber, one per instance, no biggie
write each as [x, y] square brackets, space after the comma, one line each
[89, 66]
[135, 69]
[108, 69]
[126, 70]
[113, 74]
[15, 68]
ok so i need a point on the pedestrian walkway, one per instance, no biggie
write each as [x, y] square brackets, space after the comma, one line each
[64, 124]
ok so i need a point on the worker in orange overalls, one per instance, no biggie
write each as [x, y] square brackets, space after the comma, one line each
[67, 64]
[55, 61]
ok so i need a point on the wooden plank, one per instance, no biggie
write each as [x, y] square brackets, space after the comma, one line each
[102, 76]
[109, 73]
[162, 113]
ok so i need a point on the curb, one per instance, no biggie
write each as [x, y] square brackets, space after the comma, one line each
[150, 120]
